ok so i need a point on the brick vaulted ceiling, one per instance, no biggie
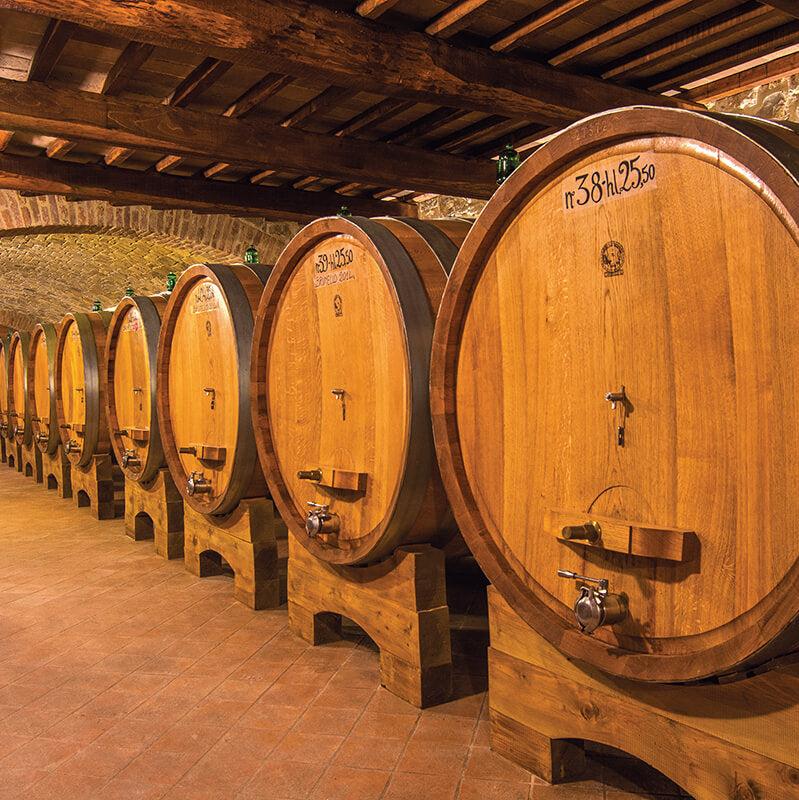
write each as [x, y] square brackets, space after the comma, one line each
[57, 256]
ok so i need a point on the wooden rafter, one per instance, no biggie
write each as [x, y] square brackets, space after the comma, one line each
[789, 7]
[201, 78]
[465, 136]
[137, 188]
[652, 14]
[129, 60]
[746, 79]
[727, 58]
[283, 36]
[75, 114]
[736, 20]
[385, 110]
[455, 18]
[551, 15]
[372, 9]
[414, 131]
[53, 42]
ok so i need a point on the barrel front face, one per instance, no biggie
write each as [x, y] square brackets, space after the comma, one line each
[4, 424]
[80, 386]
[341, 404]
[614, 392]
[203, 398]
[41, 387]
[18, 408]
[131, 353]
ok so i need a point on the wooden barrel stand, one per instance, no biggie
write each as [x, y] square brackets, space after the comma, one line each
[731, 741]
[99, 488]
[13, 455]
[57, 473]
[155, 511]
[251, 540]
[400, 602]
[31, 462]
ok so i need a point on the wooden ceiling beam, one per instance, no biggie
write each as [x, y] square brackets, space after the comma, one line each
[418, 129]
[729, 57]
[385, 110]
[53, 42]
[757, 75]
[129, 61]
[467, 135]
[727, 23]
[454, 19]
[284, 36]
[550, 16]
[201, 78]
[646, 17]
[129, 186]
[372, 9]
[74, 114]
[789, 7]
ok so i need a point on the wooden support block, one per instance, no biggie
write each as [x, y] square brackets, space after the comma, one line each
[13, 455]
[400, 602]
[155, 511]
[251, 539]
[57, 473]
[623, 536]
[99, 487]
[32, 462]
[717, 741]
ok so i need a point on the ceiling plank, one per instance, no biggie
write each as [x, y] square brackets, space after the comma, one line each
[725, 24]
[284, 36]
[758, 75]
[129, 186]
[789, 7]
[53, 42]
[645, 17]
[74, 114]
[551, 15]
[727, 58]
[454, 19]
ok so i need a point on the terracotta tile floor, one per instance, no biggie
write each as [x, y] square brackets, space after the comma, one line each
[122, 676]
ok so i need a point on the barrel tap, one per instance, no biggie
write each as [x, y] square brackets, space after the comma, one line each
[130, 458]
[320, 520]
[595, 606]
[197, 483]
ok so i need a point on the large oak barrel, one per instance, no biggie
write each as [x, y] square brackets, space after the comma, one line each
[614, 387]
[5, 427]
[340, 378]
[80, 386]
[130, 374]
[19, 410]
[41, 387]
[204, 385]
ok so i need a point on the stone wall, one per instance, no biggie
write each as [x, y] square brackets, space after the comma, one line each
[777, 100]
[58, 256]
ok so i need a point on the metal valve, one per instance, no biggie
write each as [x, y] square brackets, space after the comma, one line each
[616, 397]
[320, 520]
[197, 483]
[3, 426]
[72, 447]
[588, 532]
[595, 606]
[42, 437]
[19, 430]
[310, 475]
[130, 458]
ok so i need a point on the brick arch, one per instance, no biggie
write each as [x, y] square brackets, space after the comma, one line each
[58, 255]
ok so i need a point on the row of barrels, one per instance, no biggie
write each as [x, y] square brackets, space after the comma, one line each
[609, 377]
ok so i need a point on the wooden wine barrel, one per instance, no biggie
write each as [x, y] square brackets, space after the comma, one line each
[130, 372]
[340, 385]
[80, 386]
[5, 428]
[614, 386]
[204, 385]
[19, 411]
[41, 387]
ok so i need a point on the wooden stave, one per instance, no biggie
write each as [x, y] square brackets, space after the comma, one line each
[5, 338]
[92, 327]
[151, 311]
[424, 478]
[230, 279]
[49, 331]
[20, 341]
[767, 148]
